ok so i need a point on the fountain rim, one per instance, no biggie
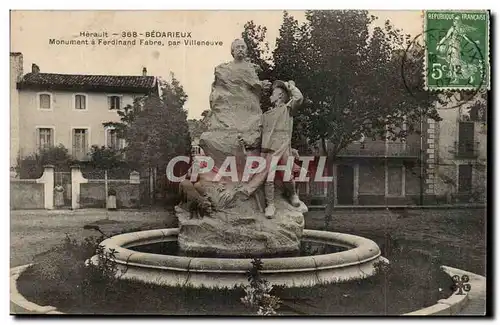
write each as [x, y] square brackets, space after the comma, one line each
[363, 250]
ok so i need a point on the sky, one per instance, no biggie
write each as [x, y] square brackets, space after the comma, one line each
[193, 66]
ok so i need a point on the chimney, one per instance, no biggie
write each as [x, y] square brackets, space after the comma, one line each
[35, 68]
[144, 71]
[16, 65]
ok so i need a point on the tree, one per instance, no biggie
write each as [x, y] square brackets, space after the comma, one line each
[258, 54]
[257, 47]
[103, 158]
[195, 128]
[127, 116]
[198, 126]
[31, 166]
[57, 156]
[205, 114]
[351, 79]
[155, 127]
[289, 57]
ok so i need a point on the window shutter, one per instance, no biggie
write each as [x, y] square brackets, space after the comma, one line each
[37, 136]
[45, 101]
[80, 102]
[73, 136]
[112, 139]
[51, 137]
[85, 141]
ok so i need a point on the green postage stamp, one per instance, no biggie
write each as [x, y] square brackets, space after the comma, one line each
[457, 49]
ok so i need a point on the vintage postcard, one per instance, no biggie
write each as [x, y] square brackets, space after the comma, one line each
[244, 163]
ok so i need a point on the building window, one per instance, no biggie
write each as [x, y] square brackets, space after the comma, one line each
[114, 102]
[44, 101]
[464, 178]
[466, 138]
[80, 143]
[112, 140]
[80, 102]
[45, 138]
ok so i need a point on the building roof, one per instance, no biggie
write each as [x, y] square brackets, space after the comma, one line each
[90, 83]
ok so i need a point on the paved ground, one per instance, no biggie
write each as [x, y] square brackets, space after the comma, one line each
[34, 232]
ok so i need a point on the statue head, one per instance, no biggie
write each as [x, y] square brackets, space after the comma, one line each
[456, 20]
[238, 49]
[281, 93]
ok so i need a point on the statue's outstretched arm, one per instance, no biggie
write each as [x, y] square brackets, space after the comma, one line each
[296, 98]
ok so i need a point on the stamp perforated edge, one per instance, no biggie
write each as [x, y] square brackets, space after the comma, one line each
[486, 57]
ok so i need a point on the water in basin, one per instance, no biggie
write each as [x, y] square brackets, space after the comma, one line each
[307, 248]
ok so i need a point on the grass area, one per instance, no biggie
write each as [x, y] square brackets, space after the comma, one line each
[392, 292]
[412, 281]
[416, 242]
[453, 237]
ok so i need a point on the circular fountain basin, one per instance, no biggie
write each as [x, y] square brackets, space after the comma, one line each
[356, 261]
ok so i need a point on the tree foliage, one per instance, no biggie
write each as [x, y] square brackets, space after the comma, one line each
[358, 80]
[258, 48]
[258, 53]
[127, 115]
[105, 158]
[350, 75]
[31, 166]
[155, 127]
[198, 126]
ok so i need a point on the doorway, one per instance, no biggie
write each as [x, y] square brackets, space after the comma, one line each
[62, 190]
[345, 185]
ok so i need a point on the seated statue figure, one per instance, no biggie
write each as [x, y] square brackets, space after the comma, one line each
[235, 116]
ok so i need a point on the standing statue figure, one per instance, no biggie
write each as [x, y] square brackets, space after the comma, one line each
[277, 128]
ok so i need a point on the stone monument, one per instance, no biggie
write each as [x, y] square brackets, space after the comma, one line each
[224, 216]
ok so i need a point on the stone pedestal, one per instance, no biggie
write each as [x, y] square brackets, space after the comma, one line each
[242, 231]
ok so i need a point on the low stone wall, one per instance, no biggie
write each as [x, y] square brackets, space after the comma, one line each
[93, 194]
[383, 200]
[26, 194]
